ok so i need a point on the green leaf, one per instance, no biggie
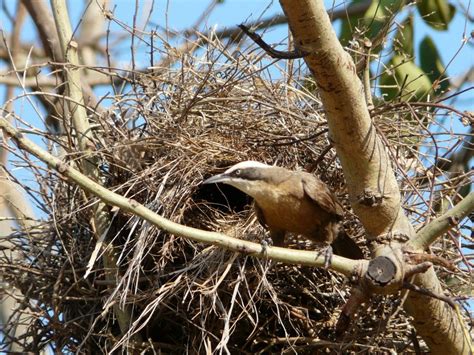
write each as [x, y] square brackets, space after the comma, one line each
[407, 81]
[348, 26]
[372, 21]
[436, 13]
[432, 64]
[375, 17]
[403, 41]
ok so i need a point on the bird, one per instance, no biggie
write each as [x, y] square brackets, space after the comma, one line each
[297, 202]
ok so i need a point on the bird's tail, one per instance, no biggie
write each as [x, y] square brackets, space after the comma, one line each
[345, 246]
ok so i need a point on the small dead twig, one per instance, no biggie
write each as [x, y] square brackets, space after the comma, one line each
[409, 286]
[274, 53]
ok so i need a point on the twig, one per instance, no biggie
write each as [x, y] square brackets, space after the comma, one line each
[434, 259]
[409, 286]
[274, 53]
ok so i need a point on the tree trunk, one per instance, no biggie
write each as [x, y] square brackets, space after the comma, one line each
[373, 189]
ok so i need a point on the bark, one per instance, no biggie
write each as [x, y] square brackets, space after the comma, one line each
[373, 189]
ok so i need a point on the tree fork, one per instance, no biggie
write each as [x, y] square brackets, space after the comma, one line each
[365, 164]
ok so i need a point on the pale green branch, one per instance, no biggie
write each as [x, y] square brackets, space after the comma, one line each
[80, 121]
[436, 228]
[69, 50]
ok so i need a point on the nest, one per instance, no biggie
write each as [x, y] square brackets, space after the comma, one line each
[156, 144]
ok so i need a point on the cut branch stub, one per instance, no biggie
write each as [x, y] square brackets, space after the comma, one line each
[384, 275]
[381, 271]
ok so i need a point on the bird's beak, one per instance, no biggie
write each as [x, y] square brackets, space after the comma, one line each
[216, 178]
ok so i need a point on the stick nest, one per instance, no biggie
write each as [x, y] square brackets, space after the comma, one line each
[159, 138]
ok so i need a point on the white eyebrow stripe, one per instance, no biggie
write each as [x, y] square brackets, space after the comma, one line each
[247, 164]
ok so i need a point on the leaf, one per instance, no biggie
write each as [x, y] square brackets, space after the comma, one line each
[375, 17]
[403, 41]
[408, 81]
[348, 26]
[373, 20]
[432, 64]
[436, 13]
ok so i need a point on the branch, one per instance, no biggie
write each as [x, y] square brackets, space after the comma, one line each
[101, 219]
[300, 257]
[429, 233]
[69, 49]
[274, 53]
[42, 18]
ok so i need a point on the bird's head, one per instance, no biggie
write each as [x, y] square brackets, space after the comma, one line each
[247, 176]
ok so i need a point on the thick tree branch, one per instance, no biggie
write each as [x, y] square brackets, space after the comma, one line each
[70, 52]
[41, 16]
[373, 189]
[101, 221]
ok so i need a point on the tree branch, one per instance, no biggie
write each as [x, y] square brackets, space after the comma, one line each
[371, 183]
[274, 53]
[429, 233]
[41, 16]
[101, 220]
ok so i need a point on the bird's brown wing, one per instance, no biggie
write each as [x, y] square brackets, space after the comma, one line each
[319, 192]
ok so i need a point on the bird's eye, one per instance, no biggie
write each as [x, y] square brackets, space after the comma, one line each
[238, 172]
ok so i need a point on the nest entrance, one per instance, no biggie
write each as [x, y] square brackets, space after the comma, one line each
[222, 197]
